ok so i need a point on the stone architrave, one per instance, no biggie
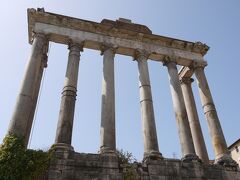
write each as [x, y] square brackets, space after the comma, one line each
[185, 136]
[107, 130]
[69, 93]
[151, 149]
[222, 154]
[194, 123]
[21, 121]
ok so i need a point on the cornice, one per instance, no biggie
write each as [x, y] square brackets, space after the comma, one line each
[107, 29]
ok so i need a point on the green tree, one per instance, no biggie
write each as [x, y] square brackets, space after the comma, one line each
[19, 163]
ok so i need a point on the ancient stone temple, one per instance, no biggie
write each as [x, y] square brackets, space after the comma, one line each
[135, 40]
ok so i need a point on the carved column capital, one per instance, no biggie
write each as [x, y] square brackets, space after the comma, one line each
[40, 35]
[168, 59]
[196, 65]
[75, 45]
[106, 46]
[140, 53]
[186, 80]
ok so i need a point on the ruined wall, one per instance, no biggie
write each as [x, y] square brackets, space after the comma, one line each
[79, 166]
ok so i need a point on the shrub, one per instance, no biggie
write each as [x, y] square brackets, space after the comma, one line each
[19, 163]
[128, 162]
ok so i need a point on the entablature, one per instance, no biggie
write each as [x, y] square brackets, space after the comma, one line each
[126, 36]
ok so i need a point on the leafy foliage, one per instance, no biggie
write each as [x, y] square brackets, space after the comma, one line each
[125, 157]
[19, 163]
[129, 164]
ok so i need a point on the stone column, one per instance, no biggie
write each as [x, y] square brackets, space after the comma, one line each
[151, 149]
[37, 89]
[66, 114]
[107, 130]
[222, 154]
[193, 119]
[21, 121]
[185, 136]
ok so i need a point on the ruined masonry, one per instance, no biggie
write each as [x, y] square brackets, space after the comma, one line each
[135, 40]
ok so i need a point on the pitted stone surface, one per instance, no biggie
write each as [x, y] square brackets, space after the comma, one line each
[103, 167]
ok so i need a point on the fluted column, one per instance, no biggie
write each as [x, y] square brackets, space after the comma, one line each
[21, 121]
[222, 154]
[151, 149]
[67, 108]
[185, 136]
[193, 119]
[107, 130]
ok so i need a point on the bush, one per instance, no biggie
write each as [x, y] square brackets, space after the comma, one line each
[19, 163]
[125, 157]
[129, 164]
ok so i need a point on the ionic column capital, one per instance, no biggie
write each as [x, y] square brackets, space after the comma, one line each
[106, 46]
[169, 60]
[186, 80]
[196, 65]
[75, 46]
[40, 35]
[141, 54]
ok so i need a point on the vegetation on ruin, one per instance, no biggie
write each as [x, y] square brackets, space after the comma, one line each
[128, 163]
[19, 163]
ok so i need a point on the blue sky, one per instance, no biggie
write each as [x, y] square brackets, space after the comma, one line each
[216, 23]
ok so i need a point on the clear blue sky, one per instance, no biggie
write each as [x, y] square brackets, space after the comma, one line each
[216, 23]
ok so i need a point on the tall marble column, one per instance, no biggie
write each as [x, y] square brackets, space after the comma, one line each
[218, 140]
[107, 130]
[193, 119]
[185, 136]
[37, 89]
[151, 149]
[69, 93]
[21, 121]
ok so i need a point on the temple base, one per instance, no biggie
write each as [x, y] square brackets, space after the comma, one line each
[83, 166]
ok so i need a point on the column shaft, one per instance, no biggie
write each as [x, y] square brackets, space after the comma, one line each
[22, 118]
[107, 131]
[36, 94]
[214, 126]
[151, 149]
[194, 123]
[184, 131]
[67, 108]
